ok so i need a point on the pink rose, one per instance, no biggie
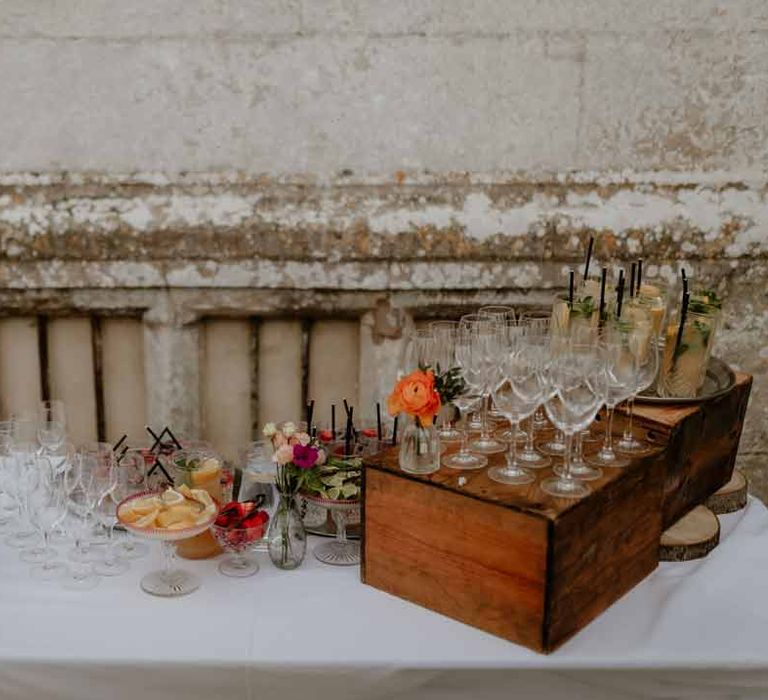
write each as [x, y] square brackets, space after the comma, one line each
[283, 455]
[278, 440]
[303, 439]
[321, 457]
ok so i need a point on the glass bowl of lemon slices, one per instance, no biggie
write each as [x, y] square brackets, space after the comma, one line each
[168, 516]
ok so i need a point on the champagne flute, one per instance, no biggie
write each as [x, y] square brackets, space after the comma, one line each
[51, 425]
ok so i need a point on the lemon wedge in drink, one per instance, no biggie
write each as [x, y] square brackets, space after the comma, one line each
[210, 469]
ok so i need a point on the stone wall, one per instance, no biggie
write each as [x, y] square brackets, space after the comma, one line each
[190, 159]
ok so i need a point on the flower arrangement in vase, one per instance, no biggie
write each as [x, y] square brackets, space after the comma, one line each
[420, 395]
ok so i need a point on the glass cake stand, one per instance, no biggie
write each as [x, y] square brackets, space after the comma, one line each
[170, 581]
[341, 551]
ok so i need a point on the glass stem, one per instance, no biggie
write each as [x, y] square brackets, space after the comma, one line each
[463, 450]
[512, 453]
[631, 413]
[111, 554]
[608, 442]
[580, 448]
[341, 525]
[567, 456]
[529, 439]
[168, 556]
[484, 432]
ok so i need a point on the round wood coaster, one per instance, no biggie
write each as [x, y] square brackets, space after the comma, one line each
[730, 498]
[692, 537]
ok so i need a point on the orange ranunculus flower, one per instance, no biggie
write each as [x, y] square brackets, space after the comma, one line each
[415, 395]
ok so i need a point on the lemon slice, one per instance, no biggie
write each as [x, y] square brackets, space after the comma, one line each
[201, 496]
[145, 506]
[181, 525]
[128, 514]
[172, 498]
[147, 520]
[209, 470]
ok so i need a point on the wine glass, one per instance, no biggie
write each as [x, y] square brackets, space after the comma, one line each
[51, 424]
[620, 377]
[20, 478]
[131, 468]
[643, 345]
[575, 394]
[517, 394]
[539, 322]
[105, 510]
[416, 352]
[8, 505]
[444, 359]
[48, 508]
[538, 341]
[470, 362]
[486, 337]
[103, 453]
[82, 487]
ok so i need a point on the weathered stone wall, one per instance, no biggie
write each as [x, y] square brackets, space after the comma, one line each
[196, 158]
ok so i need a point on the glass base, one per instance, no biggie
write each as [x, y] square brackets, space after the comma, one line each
[37, 555]
[513, 476]
[449, 435]
[565, 488]
[487, 446]
[539, 423]
[58, 538]
[631, 445]
[239, 565]
[19, 540]
[132, 550]
[49, 571]
[582, 472]
[552, 448]
[81, 580]
[430, 468]
[116, 567]
[177, 583]
[338, 553]
[465, 460]
[506, 436]
[533, 460]
[608, 458]
[588, 436]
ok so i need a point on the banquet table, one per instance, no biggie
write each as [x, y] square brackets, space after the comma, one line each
[690, 630]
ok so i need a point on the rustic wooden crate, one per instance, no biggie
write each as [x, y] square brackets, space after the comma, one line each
[702, 442]
[510, 560]
[534, 569]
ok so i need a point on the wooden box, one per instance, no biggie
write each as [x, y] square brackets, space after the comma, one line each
[702, 442]
[512, 561]
[534, 569]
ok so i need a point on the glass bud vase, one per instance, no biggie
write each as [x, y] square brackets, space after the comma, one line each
[286, 536]
[419, 449]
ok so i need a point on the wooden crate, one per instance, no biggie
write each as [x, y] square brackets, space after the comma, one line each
[534, 569]
[512, 561]
[702, 442]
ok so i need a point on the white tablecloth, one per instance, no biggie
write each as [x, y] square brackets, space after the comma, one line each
[694, 630]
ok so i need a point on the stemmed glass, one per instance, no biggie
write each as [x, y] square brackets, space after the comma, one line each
[620, 378]
[81, 485]
[51, 425]
[131, 469]
[486, 340]
[444, 358]
[416, 351]
[103, 453]
[576, 380]
[21, 480]
[470, 361]
[8, 505]
[538, 322]
[47, 508]
[497, 313]
[643, 345]
[520, 390]
[105, 482]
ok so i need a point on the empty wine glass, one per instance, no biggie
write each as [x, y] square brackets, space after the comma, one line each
[105, 510]
[517, 394]
[416, 352]
[485, 336]
[20, 480]
[538, 341]
[51, 424]
[643, 345]
[444, 359]
[80, 482]
[538, 321]
[48, 508]
[576, 380]
[469, 360]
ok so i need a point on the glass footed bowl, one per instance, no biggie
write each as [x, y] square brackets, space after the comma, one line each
[237, 543]
[341, 551]
[169, 582]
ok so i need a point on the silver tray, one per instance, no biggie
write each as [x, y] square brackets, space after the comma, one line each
[720, 380]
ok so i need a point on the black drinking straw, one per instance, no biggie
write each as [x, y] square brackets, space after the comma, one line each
[685, 281]
[333, 420]
[378, 420]
[116, 446]
[348, 432]
[346, 407]
[589, 257]
[603, 275]
[570, 288]
[157, 438]
[620, 293]
[639, 273]
[683, 314]
[173, 437]
[394, 431]
[632, 273]
[310, 411]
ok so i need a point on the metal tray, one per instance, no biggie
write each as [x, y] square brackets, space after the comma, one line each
[720, 380]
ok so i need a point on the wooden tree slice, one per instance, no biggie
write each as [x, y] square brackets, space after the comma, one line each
[730, 498]
[693, 536]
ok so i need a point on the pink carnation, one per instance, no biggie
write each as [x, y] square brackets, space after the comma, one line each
[283, 455]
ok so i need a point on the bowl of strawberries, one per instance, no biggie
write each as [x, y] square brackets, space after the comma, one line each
[237, 528]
